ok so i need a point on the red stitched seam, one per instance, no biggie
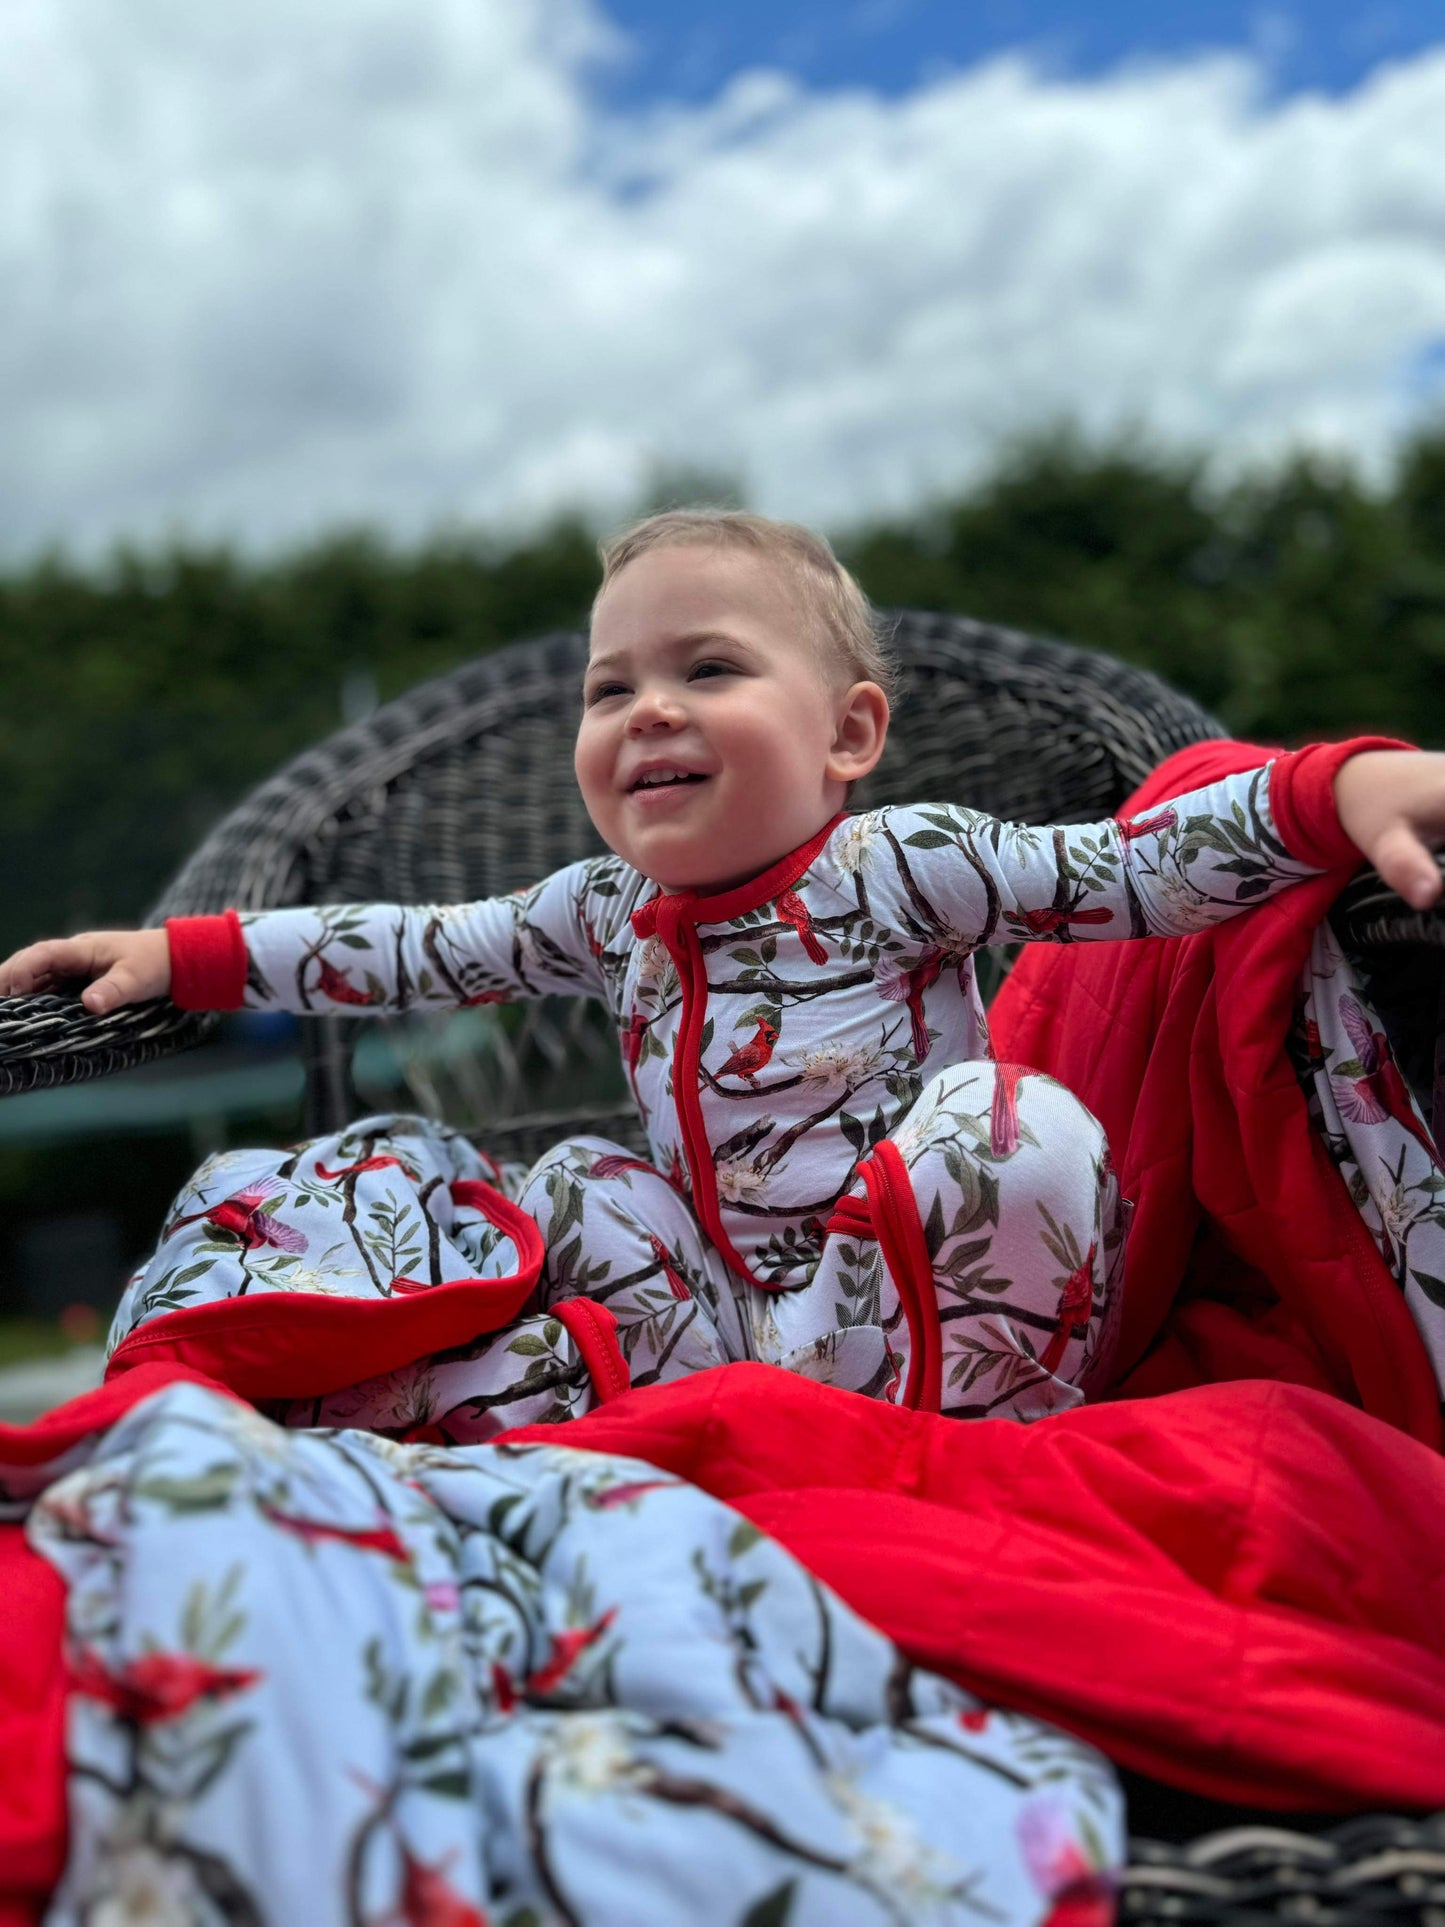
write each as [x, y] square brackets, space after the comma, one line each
[905, 1251]
[686, 1072]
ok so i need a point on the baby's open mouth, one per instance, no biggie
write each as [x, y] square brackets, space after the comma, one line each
[665, 779]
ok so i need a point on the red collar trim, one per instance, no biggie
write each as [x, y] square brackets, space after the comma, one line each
[752, 895]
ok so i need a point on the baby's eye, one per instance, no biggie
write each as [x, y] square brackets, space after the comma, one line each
[599, 691]
[710, 669]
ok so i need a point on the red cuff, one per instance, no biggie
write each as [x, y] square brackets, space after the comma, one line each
[593, 1329]
[1302, 800]
[208, 962]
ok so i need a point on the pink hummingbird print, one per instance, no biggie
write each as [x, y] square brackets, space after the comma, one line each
[1003, 1123]
[792, 909]
[910, 987]
[1380, 1091]
[245, 1218]
[612, 1165]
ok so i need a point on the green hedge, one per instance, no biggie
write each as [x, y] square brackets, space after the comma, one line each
[142, 699]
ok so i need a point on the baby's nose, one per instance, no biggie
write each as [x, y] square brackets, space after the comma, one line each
[655, 709]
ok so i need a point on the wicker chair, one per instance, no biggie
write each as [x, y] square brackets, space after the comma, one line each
[463, 788]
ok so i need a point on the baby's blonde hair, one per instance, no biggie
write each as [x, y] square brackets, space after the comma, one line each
[846, 629]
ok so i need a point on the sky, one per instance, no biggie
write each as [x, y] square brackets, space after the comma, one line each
[273, 270]
[895, 45]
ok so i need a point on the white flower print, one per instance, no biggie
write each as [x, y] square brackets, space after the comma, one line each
[591, 1755]
[653, 962]
[892, 1857]
[1180, 902]
[739, 1181]
[833, 1064]
[305, 1279]
[851, 849]
[143, 1887]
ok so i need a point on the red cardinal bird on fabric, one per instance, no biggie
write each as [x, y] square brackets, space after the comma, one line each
[676, 1283]
[909, 987]
[428, 1898]
[1380, 1092]
[1075, 1310]
[792, 909]
[1045, 923]
[627, 1494]
[334, 984]
[365, 1164]
[156, 1687]
[1003, 1123]
[379, 1538]
[245, 1218]
[567, 1649]
[485, 997]
[750, 1058]
[632, 1041]
[1131, 829]
[612, 1165]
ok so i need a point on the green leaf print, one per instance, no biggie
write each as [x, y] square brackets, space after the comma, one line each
[773, 1909]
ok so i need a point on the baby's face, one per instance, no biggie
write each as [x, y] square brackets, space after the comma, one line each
[700, 670]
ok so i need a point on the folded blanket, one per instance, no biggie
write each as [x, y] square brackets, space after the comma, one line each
[1247, 1256]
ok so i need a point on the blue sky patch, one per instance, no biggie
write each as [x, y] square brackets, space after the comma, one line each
[689, 53]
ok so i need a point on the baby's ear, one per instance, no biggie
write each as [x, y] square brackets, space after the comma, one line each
[861, 731]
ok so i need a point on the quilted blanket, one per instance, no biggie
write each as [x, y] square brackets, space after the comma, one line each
[325, 1677]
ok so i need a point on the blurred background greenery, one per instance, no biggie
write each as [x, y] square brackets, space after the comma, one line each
[143, 699]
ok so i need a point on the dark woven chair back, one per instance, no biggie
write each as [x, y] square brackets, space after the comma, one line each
[463, 788]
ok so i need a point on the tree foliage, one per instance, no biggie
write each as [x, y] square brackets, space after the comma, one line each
[142, 700]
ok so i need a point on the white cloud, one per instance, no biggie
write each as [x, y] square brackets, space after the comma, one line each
[266, 269]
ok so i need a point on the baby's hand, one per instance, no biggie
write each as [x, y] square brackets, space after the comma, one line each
[1392, 806]
[127, 966]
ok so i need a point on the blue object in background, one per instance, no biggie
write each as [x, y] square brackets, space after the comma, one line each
[891, 45]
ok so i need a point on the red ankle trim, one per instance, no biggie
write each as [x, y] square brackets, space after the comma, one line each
[594, 1332]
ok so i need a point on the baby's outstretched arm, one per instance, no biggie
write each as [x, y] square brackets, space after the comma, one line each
[1186, 862]
[347, 959]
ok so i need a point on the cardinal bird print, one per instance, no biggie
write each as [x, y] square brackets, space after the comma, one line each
[754, 1056]
[1369, 1088]
[792, 909]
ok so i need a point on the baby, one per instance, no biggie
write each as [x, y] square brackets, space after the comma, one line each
[841, 1181]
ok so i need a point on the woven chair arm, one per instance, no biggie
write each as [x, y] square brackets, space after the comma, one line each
[48, 1040]
[1368, 914]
